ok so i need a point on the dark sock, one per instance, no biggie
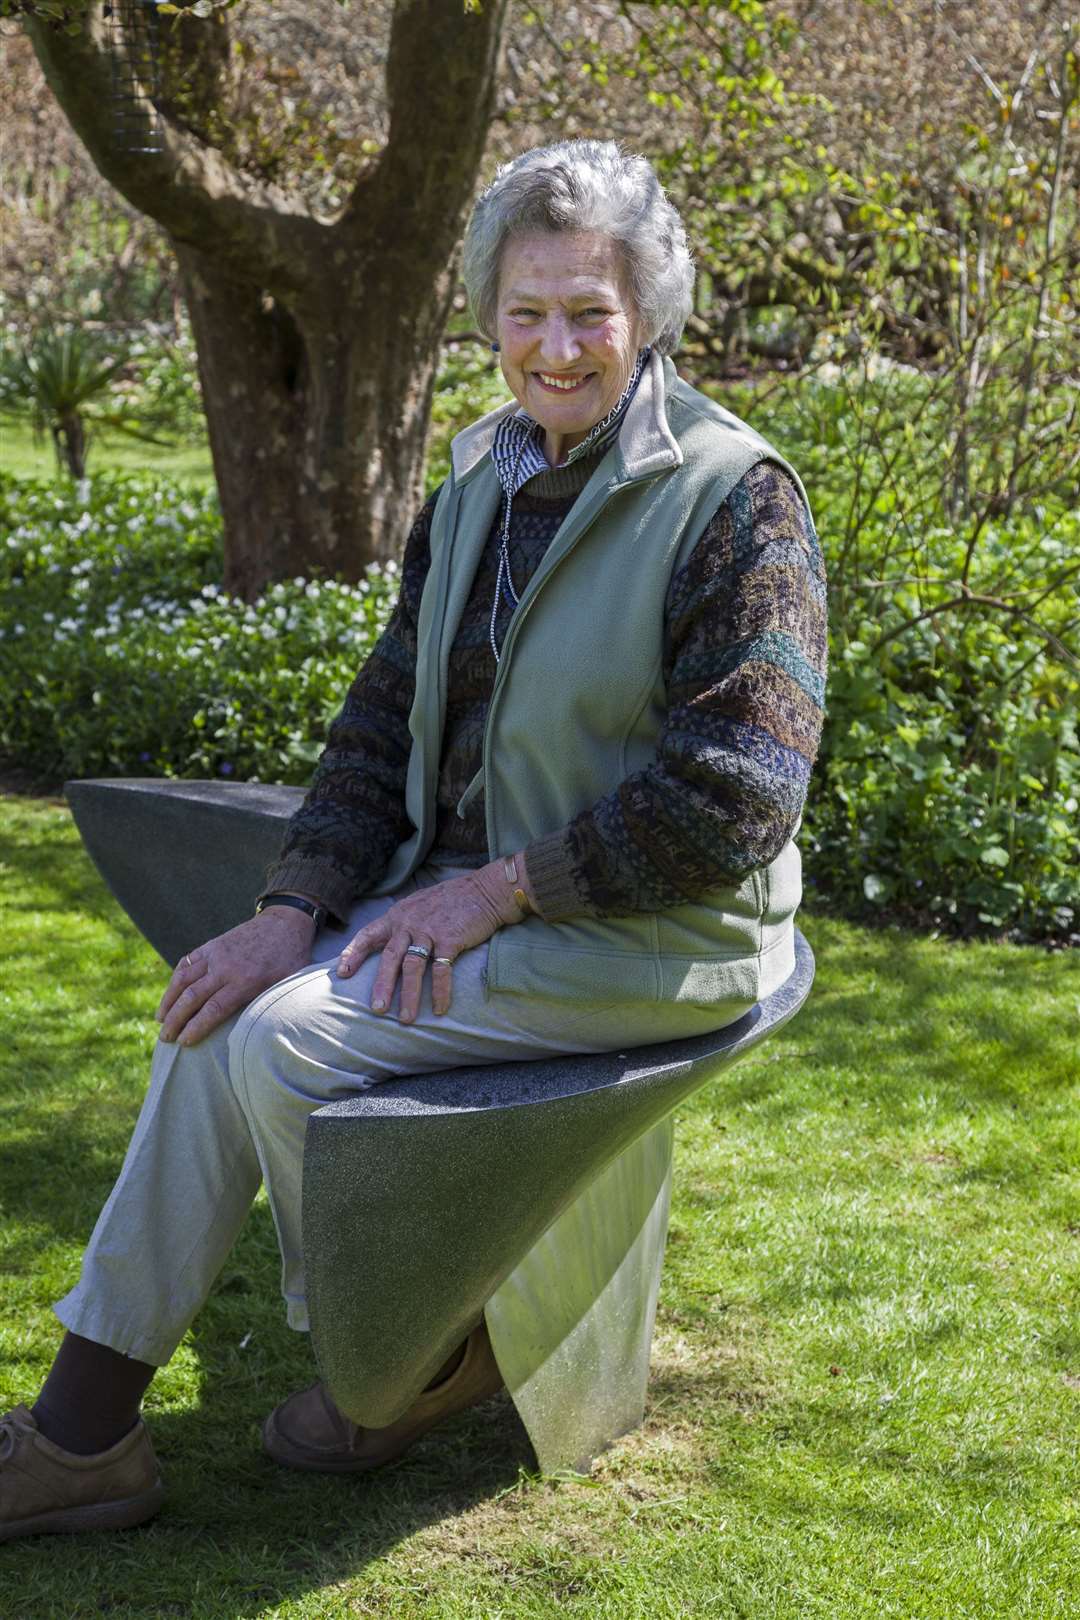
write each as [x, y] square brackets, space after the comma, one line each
[91, 1397]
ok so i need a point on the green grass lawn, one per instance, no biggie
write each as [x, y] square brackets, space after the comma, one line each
[27, 457]
[866, 1378]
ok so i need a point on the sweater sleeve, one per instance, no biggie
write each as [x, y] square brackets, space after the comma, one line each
[745, 658]
[338, 843]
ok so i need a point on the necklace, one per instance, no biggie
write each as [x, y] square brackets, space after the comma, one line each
[504, 583]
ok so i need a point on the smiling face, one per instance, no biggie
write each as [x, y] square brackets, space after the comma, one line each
[568, 332]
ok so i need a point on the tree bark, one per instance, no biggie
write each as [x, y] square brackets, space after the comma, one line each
[70, 442]
[317, 416]
[318, 339]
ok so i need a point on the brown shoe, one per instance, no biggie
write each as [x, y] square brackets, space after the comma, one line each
[44, 1488]
[308, 1431]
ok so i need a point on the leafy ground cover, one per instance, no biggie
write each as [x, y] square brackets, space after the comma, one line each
[866, 1375]
[120, 654]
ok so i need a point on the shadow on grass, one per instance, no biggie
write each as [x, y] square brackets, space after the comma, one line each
[65, 879]
[239, 1533]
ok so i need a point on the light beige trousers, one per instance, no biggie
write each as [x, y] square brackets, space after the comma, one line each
[222, 1116]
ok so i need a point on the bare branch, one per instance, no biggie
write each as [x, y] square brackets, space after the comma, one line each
[189, 187]
[438, 125]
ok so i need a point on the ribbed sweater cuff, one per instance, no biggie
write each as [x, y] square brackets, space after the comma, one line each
[553, 876]
[319, 878]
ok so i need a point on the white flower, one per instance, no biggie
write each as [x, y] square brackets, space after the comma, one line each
[872, 887]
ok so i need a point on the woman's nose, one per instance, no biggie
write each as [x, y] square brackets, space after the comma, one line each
[558, 344]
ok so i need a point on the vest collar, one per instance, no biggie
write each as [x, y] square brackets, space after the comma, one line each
[645, 446]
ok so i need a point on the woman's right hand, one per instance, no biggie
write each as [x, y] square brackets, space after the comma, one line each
[224, 975]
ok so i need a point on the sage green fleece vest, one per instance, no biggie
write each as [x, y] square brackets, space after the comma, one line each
[579, 701]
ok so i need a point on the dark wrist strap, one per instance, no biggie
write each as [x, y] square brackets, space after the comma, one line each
[317, 914]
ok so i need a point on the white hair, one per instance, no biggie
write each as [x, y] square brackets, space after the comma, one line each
[586, 186]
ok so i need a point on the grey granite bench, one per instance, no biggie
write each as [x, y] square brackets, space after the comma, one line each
[535, 1194]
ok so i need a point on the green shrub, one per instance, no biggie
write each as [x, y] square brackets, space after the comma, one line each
[469, 384]
[119, 654]
[948, 783]
[167, 395]
[948, 786]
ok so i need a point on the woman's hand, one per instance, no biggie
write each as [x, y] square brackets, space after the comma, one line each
[445, 919]
[222, 976]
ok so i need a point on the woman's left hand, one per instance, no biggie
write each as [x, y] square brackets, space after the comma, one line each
[445, 919]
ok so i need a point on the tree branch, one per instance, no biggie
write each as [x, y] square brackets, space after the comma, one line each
[189, 188]
[967, 598]
[441, 76]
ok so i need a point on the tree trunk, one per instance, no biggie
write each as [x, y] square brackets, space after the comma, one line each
[317, 417]
[70, 442]
[318, 340]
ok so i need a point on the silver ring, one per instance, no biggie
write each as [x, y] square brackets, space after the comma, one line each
[418, 950]
[444, 961]
[189, 962]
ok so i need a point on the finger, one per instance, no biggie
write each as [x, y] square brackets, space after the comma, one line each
[413, 968]
[393, 954]
[442, 982]
[214, 1011]
[187, 1004]
[361, 946]
[186, 971]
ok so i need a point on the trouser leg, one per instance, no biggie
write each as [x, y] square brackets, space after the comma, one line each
[187, 1182]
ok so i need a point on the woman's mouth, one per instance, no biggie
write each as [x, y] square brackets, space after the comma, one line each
[562, 385]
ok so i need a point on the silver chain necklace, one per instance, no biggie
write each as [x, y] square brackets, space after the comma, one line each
[504, 556]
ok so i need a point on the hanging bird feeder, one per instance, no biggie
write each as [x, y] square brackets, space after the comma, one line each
[135, 41]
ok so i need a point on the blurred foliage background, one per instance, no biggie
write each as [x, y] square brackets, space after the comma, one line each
[882, 200]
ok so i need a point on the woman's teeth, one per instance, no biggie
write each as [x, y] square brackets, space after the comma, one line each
[565, 383]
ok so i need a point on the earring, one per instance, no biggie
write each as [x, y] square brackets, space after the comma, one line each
[495, 348]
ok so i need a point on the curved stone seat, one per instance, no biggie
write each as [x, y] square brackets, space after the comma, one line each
[534, 1193]
[184, 859]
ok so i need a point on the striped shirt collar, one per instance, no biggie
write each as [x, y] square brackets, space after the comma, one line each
[518, 447]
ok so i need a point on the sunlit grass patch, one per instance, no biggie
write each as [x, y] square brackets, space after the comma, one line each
[866, 1373]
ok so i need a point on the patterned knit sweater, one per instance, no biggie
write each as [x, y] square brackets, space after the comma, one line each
[744, 665]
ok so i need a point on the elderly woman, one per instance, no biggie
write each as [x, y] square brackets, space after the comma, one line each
[555, 813]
